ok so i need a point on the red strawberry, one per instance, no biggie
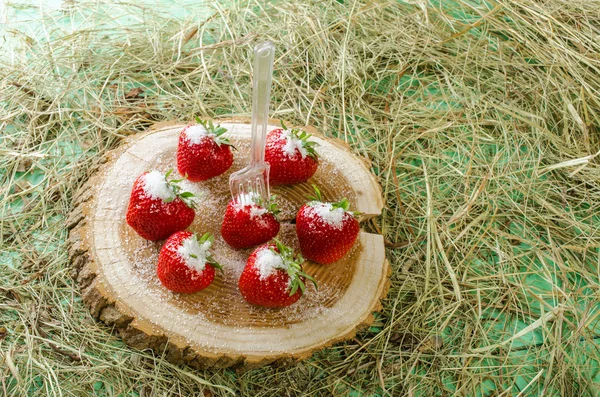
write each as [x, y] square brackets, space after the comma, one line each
[326, 231]
[157, 208]
[291, 155]
[203, 152]
[247, 223]
[273, 276]
[185, 264]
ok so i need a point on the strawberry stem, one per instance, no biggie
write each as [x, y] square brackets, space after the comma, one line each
[317, 196]
[343, 203]
[270, 205]
[213, 262]
[217, 131]
[186, 197]
[303, 137]
[294, 267]
[208, 237]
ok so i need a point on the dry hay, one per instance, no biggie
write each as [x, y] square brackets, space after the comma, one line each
[481, 120]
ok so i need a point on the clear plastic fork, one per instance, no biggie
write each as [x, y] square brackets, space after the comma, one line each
[251, 184]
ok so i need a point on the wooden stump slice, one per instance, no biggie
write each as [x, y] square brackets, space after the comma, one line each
[116, 268]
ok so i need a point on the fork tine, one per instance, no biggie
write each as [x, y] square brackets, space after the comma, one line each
[263, 188]
[257, 186]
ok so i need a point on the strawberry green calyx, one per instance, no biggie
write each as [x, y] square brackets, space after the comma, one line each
[293, 263]
[273, 208]
[317, 196]
[270, 205]
[173, 184]
[217, 131]
[303, 137]
[207, 237]
[344, 204]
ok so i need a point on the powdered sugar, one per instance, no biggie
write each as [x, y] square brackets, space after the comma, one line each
[246, 199]
[156, 187]
[193, 253]
[233, 261]
[196, 133]
[292, 144]
[257, 212]
[205, 313]
[334, 217]
[199, 190]
[267, 261]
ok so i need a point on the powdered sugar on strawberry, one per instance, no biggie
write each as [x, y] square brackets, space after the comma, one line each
[196, 133]
[293, 144]
[257, 212]
[267, 262]
[193, 253]
[333, 217]
[246, 199]
[156, 187]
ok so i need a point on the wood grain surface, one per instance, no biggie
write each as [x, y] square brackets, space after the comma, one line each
[116, 269]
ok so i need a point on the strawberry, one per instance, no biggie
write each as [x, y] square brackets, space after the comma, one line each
[273, 276]
[291, 155]
[185, 264]
[247, 222]
[326, 231]
[203, 152]
[157, 208]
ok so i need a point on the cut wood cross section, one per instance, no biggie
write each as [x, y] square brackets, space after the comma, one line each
[116, 269]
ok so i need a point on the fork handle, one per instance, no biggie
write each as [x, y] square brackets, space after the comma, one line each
[261, 96]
